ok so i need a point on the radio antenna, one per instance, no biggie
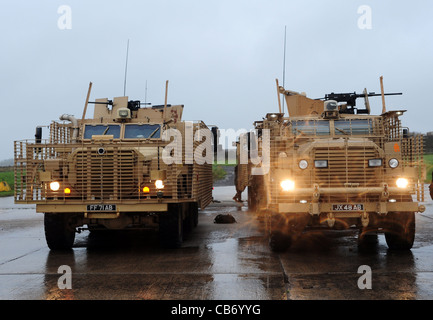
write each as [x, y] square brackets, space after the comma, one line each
[126, 68]
[145, 94]
[284, 62]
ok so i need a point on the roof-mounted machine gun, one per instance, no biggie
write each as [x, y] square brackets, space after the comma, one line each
[350, 99]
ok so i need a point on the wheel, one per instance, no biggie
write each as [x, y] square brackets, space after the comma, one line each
[193, 207]
[279, 242]
[367, 239]
[285, 229]
[279, 238]
[251, 199]
[400, 230]
[256, 194]
[171, 227]
[191, 217]
[59, 233]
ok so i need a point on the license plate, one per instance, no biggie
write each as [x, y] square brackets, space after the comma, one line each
[347, 207]
[101, 207]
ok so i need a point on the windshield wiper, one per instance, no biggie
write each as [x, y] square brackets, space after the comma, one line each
[341, 130]
[300, 131]
[155, 131]
[106, 130]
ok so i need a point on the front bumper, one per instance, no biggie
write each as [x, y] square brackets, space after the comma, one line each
[120, 208]
[382, 207]
[313, 205]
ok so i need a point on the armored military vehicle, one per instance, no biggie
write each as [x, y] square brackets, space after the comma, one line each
[331, 164]
[116, 171]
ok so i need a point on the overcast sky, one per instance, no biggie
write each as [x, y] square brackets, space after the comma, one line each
[221, 57]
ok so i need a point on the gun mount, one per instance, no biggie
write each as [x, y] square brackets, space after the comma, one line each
[350, 100]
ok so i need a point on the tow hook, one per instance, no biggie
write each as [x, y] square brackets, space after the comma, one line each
[331, 220]
[365, 219]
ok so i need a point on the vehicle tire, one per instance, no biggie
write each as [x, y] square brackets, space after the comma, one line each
[252, 203]
[279, 238]
[171, 227]
[188, 222]
[367, 239]
[279, 241]
[193, 207]
[400, 230]
[256, 194]
[59, 233]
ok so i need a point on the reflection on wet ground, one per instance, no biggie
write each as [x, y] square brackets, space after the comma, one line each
[216, 261]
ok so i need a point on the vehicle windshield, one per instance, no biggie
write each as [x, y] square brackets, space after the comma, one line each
[101, 129]
[311, 127]
[353, 127]
[142, 131]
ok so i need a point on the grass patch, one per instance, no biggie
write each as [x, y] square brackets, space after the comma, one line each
[7, 176]
[218, 173]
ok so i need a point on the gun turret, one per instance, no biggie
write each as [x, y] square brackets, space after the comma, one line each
[350, 99]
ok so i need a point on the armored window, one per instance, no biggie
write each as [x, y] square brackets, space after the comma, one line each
[310, 127]
[322, 128]
[362, 127]
[101, 129]
[353, 127]
[142, 131]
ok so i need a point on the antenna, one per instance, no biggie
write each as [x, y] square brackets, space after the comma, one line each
[284, 61]
[126, 69]
[165, 104]
[87, 101]
[278, 95]
[383, 95]
[145, 94]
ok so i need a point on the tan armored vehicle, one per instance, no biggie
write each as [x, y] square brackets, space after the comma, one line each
[115, 171]
[330, 164]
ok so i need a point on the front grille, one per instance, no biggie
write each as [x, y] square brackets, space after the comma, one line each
[347, 167]
[107, 175]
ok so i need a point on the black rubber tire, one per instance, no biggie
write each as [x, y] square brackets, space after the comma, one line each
[279, 238]
[59, 234]
[279, 242]
[252, 203]
[188, 221]
[367, 240]
[400, 230]
[193, 207]
[171, 227]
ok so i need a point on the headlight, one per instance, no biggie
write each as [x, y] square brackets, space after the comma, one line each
[321, 163]
[393, 163]
[402, 183]
[54, 186]
[375, 162]
[287, 185]
[159, 184]
[303, 164]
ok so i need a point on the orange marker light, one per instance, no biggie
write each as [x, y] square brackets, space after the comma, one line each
[67, 191]
[146, 190]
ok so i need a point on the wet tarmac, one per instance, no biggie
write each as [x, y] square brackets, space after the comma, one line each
[215, 262]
